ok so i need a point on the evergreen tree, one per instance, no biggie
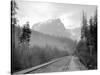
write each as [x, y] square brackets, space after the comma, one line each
[84, 27]
[87, 46]
[26, 31]
[14, 62]
[14, 9]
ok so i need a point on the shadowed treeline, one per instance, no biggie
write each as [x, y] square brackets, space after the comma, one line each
[86, 48]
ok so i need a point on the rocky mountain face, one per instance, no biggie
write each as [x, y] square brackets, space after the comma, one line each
[52, 27]
[56, 28]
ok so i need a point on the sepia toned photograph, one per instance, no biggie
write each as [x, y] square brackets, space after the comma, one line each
[53, 37]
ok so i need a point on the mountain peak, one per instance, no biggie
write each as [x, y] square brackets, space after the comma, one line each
[55, 27]
[51, 27]
[54, 20]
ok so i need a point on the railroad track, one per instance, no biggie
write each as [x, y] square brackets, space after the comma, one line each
[37, 67]
[67, 63]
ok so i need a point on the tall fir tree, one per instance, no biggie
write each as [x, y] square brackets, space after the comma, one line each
[84, 27]
[26, 32]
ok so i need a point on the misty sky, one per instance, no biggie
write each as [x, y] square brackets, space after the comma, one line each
[69, 14]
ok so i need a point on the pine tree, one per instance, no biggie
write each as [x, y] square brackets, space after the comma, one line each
[14, 63]
[26, 31]
[84, 27]
[14, 9]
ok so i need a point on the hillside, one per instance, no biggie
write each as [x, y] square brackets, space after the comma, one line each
[42, 40]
